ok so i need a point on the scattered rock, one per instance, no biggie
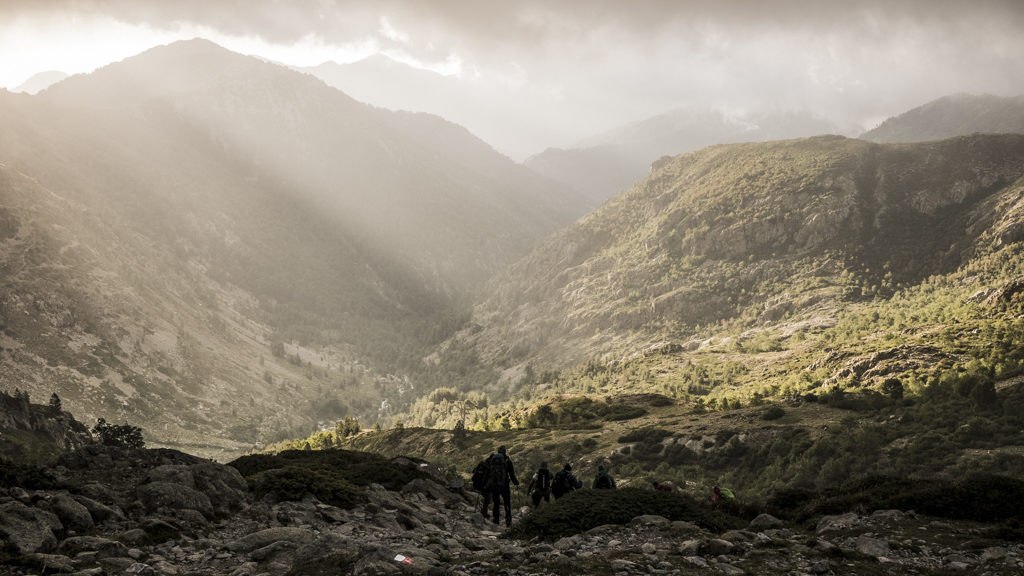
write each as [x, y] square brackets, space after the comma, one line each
[28, 529]
[872, 547]
[765, 522]
[269, 536]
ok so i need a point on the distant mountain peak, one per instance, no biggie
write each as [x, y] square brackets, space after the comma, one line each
[41, 81]
[953, 115]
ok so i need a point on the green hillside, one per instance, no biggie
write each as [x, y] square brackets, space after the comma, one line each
[765, 269]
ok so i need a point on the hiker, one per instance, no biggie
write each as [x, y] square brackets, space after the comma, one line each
[480, 484]
[500, 472]
[540, 485]
[721, 496]
[564, 482]
[603, 480]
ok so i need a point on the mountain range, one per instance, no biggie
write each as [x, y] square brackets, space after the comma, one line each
[753, 254]
[604, 165]
[233, 252]
[191, 236]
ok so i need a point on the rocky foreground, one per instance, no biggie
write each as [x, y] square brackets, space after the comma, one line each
[148, 512]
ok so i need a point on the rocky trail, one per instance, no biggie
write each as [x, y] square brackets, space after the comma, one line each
[161, 512]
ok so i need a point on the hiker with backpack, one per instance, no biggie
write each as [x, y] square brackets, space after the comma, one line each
[603, 480]
[564, 482]
[501, 472]
[540, 485]
[480, 484]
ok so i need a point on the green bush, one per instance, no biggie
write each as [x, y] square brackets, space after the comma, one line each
[336, 477]
[123, 435]
[982, 497]
[582, 510]
[773, 412]
[293, 483]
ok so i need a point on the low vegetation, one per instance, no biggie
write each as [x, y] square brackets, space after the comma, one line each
[336, 477]
[582, 510]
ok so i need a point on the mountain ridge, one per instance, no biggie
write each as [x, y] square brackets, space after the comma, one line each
[953, 115]
[751, 234]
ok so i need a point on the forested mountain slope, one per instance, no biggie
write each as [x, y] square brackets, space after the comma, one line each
[736, 258]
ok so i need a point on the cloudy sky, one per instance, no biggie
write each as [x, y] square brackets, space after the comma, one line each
[559, 71]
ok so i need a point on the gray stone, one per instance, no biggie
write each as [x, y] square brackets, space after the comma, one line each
[140, 569]
[649, 548]
[872, 546]
[888, 515]
[157, 495]
[690, 548]
[568, 543]
[103, 547]
[73, 515]
[838, 522]
[765, 522]
[115, 565]
[51, 562]
[717, 547]
[271, 535]
[650, 520]
[696, 561]
[223, 485]
[991, 554]
[28, 529]
[100, 512]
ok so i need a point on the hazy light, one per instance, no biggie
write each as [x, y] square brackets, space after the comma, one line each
[72, 44]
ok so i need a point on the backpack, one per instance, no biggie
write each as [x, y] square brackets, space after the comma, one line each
[496, 475]
[561, 484]
[480, 476]
[543, 484]
[603, 481]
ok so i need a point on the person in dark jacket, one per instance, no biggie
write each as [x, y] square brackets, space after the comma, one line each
[540, 485]
[603, 480]
[480, 485]
[501, 473]
[564, 482]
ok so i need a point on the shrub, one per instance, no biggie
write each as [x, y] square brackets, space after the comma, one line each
[123, 435]
[354, 468]
[773, 412]
[294, 482]
[981, 497]
[582, 510]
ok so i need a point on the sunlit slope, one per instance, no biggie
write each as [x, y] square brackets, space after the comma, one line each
[781, 235]
[217, 247]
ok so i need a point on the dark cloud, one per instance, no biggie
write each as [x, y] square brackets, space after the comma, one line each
[590, 64]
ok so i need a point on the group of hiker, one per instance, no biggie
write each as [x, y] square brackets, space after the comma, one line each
[494, 476]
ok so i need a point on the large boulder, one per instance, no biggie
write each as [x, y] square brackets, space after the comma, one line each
[28, 529]
[73, 515]
[223, 485]
[168, 495]
[269, 536]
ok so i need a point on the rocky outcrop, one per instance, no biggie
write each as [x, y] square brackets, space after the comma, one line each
[430, 527]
